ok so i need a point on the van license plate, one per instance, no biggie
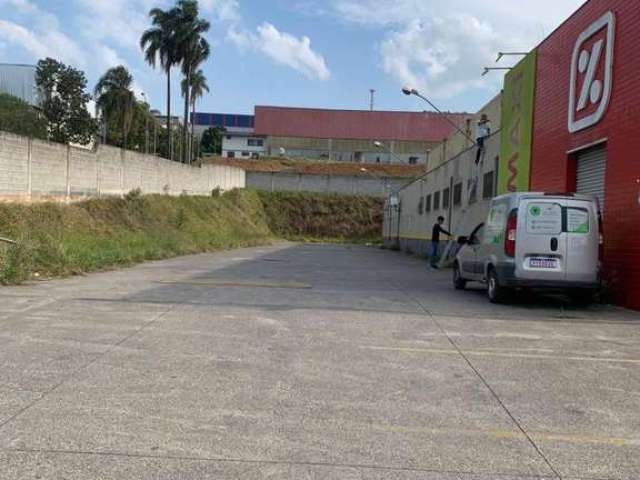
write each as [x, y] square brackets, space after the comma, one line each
[544, 263]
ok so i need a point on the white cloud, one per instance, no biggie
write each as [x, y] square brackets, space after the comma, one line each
[42, 42]
[283, 48]
[441, 47]
[223, 10]
[22, 6]
[119, 21]
[443, 56]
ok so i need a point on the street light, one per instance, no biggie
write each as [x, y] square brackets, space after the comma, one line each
[492, 69]
[412, 91]
[146, 127]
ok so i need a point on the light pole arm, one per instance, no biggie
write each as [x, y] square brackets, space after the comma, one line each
[466, 135]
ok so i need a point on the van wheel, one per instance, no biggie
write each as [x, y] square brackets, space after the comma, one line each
[459, 283]
[495, 292]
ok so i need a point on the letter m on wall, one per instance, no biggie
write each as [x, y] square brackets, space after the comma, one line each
[517, 126]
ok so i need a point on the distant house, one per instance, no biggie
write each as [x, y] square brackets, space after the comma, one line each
[336, 135]
[20, 81]
[176, 120]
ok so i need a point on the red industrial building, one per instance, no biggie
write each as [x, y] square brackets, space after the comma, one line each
[354, 124]
[586, 134]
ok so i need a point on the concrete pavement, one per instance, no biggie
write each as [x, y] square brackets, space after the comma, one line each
[310, 362]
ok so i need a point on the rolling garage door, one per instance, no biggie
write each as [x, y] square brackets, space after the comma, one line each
[592, 165]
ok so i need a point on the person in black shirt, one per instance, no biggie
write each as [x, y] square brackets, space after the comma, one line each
[434, 254]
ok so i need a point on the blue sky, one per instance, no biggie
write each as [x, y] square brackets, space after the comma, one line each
[311, 53]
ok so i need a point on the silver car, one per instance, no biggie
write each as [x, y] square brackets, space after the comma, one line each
[534, 241]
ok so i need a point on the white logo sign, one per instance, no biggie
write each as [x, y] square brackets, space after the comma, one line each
[591, 74]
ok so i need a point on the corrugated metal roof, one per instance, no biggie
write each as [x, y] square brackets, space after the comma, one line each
[354, 124]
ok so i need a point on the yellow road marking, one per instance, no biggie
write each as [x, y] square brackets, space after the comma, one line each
[480, 353]
[511, 435]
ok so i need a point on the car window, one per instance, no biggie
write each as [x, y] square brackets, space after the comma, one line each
[478, 237]
[496, 224]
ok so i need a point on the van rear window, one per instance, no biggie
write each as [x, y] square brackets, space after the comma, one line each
[577, 220]
[544, 218]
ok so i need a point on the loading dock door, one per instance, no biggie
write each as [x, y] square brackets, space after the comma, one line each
[591, 169]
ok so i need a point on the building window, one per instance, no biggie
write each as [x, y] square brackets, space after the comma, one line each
[231, 154]
[413, 160]
[488, 190]
[428, 203]
[255, 155]
[421, 206]
[246, 154]
[457, 194]
[446, 195]
[377, 159]
[472, 188]
[436, 201]
[255, 142]
[228, 137]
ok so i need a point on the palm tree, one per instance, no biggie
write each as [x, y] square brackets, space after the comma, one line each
[160, 42]
[193, 49]
[197, 88]
[115, 99]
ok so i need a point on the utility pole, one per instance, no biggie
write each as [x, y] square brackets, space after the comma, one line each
[146, 127]
[373, 99]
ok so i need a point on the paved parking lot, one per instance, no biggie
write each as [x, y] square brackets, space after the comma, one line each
[310, 362]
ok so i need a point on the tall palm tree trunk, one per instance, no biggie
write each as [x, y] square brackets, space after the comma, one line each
[186, 120]
[193, 123]
[169, 112]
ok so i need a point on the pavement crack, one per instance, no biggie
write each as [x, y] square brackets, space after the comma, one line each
[488, 386]
[86, 365]
[261, 461]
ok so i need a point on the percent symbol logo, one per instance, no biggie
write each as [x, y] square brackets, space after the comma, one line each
[588, 65]
[585, 65]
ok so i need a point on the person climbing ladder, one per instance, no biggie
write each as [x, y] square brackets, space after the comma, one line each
[483, 130]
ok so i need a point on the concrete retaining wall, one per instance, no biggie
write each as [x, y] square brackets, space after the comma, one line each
[33, 170]
[352, 185]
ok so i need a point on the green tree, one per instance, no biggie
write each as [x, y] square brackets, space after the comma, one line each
[197, 88]
[117, 104]
[212, 140]
[64, 102]
[17, 116]
[193, 49]
[160, 44]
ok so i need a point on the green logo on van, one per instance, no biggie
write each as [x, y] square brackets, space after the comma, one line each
[535, 211]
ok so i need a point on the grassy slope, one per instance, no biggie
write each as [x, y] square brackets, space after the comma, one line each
[59, 240]
[323, 216]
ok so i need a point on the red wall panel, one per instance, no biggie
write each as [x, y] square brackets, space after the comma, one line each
[552, 167]
[355, 124]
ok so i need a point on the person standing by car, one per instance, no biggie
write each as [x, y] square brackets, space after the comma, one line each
[434, 255]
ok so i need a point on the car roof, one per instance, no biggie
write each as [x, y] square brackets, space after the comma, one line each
[517, 196]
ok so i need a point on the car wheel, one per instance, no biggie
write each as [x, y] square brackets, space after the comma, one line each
[459, 283]
[495, 292]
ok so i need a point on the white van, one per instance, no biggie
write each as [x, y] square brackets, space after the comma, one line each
[537, 241]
